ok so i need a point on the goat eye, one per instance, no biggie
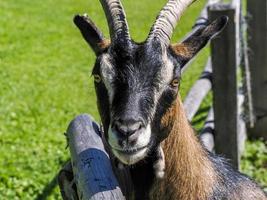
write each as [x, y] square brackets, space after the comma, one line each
[97, 78]
[175, 82]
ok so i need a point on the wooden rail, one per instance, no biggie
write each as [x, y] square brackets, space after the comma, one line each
[91, 166]
[206, 135]
[198, 92]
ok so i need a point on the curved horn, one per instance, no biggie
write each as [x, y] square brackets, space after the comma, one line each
[118, 27]
[167, 20]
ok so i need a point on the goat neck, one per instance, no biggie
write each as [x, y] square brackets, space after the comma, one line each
[189, 172]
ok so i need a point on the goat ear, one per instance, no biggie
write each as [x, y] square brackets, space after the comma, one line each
[92, 35]
[195, 42]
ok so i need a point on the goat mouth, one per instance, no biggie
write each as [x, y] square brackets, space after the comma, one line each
[130, 156]
[130, 151]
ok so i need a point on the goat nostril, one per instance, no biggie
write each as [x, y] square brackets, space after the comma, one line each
[119, 129]
[126, 129]
[140, 126]
[133, 128]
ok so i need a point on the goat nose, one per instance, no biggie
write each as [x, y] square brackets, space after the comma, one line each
[126, 128]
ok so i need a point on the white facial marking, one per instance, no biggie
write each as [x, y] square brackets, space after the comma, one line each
[159, 165]
[165, 77]
[139, 150]
[167, 69]
[131, 159]
[107, 73]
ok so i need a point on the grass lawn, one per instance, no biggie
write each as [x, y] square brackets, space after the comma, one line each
[45, 81]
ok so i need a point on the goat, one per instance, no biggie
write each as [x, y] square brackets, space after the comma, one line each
[137, 88]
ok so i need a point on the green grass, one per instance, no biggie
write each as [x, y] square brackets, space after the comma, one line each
[45, 81]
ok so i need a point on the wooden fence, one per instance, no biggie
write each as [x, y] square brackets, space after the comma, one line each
[224, 131]
[236, 73]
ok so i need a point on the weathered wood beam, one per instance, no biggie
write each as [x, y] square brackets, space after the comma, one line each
[242, 131]
[257, 44]
[207, 133]
[225, 61]
[92, 170]
[246, 76]
[198, 92]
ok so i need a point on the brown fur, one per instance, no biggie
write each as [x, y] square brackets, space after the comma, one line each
[104, 44]
[189, 174]
[182, 50]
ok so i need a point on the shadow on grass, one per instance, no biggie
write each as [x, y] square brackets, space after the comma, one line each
[198, 120]
[201, 115]
[48, 189]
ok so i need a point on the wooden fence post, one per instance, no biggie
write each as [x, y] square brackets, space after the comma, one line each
[225, 60]
[257, 43]
[92, 169]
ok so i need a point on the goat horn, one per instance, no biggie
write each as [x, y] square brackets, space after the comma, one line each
[167, 20]
[118, 27]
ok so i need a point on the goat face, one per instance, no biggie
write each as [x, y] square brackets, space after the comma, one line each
[137, 83]
[134, 89]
